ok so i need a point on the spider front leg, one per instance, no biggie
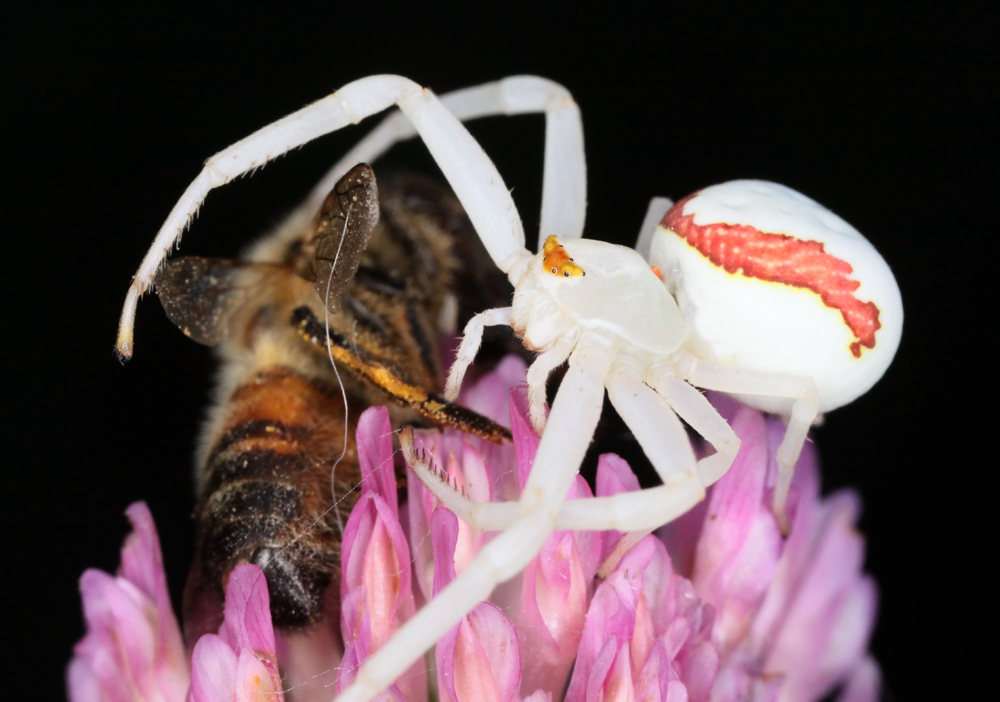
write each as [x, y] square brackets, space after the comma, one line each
[468, 169]
[564, 183]
[575, 412]
[805, 409]
[472, 339]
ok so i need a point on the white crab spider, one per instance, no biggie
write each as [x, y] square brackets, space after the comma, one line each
[618, 325]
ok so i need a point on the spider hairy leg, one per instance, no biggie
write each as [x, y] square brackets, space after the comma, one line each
[472, 339]
[467, 168]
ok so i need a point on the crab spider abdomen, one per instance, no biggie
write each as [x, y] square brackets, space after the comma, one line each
[769, 280]
[596, 285]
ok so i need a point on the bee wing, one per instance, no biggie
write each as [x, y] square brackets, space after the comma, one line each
[200, 295]
[342, 230]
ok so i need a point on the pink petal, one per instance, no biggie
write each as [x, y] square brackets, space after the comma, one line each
[734, 505]
[800, 545]
[588, 543]
[487, 666]
[614, 476]
[701, 665]
[355, 618]
[611, 617]
[658, 584]
[483, 470]
[142, 565]
[490, 396]
[419, 506]
[538, 696]
[213, 670]
[865, 683]
[472, 478]
[658, 681]
[254, 682]
[525, 439]
[248, 611]
[83, 684]
[375, 455]
[375, 554]
[618, 686]
[121, 643]
[551, 614]
[386, 575]
[681, 538]
[827, 625]
[592, 689]
[444, 536]
[355, 625]
[357, 536]
[133, 647]
[349, 666]
[376, 587]
[749, 577]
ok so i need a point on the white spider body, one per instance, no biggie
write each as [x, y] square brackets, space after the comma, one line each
[747, 311]
[601, 308]
[619, 293]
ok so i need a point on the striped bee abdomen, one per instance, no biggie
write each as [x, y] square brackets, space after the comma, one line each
[266, 496]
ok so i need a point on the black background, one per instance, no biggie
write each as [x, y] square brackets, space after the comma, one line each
[879, 114]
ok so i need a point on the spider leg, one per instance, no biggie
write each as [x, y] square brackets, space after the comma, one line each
[695, 409]
[468, 169]
[575, 412]
[481, 516]
[805, 408]
[628, 511]
[658, 207]
[666, 444]
[472, 339]
[564, 185]
[538, 376]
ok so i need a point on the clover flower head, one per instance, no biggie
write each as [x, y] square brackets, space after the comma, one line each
[717, 606]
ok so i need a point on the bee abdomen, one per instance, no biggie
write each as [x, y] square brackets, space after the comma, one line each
[266, 494]
[262, 522]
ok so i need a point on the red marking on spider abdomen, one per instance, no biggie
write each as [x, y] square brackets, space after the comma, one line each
[780, 258]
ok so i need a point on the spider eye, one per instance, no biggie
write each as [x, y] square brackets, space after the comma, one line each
[555, 271]
[566, 274]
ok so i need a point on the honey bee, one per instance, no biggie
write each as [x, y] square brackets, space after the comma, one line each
[277, 465]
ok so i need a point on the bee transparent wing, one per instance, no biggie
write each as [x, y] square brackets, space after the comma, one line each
[342, 230]
[200, 295]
